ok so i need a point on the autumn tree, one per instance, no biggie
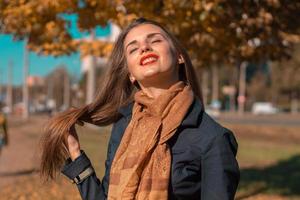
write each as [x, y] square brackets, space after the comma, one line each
[58, 83]
[285, 77]
[219, 32]
[44, 25]
[216, 32]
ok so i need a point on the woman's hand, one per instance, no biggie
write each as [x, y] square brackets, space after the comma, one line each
[73, 143]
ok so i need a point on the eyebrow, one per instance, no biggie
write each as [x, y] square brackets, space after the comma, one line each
[149, 36]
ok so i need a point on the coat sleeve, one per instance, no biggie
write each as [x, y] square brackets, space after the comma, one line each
[220, 170]
[90, 188]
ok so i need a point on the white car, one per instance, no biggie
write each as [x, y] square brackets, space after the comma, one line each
[264, 108]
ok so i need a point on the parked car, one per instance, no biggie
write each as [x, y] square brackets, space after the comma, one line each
[213, 109]
[264, 108]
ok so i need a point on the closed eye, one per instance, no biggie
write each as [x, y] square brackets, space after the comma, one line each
[132, 50]
[155, 41]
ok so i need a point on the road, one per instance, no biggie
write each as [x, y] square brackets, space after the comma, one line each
[276, 120]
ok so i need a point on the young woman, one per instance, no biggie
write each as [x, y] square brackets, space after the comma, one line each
[163, 145]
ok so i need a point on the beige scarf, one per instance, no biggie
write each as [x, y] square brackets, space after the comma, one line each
[141, 167]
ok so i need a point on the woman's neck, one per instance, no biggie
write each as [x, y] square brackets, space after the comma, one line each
[155, 90]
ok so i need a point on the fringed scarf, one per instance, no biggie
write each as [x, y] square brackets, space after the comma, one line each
[142, 164]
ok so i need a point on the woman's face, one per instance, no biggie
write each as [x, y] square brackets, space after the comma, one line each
[149, 55]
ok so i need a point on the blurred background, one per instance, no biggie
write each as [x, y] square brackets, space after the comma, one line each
[53, 54]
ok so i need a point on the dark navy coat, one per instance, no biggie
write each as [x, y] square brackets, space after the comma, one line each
[203, 159]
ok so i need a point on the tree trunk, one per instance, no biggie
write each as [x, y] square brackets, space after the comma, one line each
[66, 91]
[1, 84]
[232, 102]
[91, 75]
[9, 89]
[215, 83]
[242, 88]
[294, 106]
[294, 103]
[25, 113]
[205, 86]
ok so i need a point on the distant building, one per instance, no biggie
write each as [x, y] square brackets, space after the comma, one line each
[35, 81]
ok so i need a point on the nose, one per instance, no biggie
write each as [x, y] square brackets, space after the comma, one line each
[145, 47]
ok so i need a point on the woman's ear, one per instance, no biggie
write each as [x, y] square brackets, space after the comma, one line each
[180, 59]
[132, 79]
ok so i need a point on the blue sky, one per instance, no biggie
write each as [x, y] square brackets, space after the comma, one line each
[13, 51]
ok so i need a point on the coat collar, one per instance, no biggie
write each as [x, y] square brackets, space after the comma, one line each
[191, 119]
[126, 110]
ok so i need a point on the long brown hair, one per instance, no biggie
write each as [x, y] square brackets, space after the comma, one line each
[117, 91]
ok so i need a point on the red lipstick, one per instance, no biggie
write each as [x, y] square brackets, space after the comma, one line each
[154, 57]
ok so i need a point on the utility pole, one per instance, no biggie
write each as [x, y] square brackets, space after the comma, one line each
[66, 90]
[215, 84]
[1, 82]
[242, 88]
[9, 89]
[91, 74]
[25, 84]
[205, 86]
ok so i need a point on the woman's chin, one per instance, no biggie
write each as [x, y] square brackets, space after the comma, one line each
[150, 74]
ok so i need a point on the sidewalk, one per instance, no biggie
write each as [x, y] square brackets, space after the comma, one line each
[19, 165]
[20, 157]
[282, 119]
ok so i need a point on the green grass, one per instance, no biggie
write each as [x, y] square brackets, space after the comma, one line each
[269, 161]
[281, 178]
[94, 142]
[261, 152]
